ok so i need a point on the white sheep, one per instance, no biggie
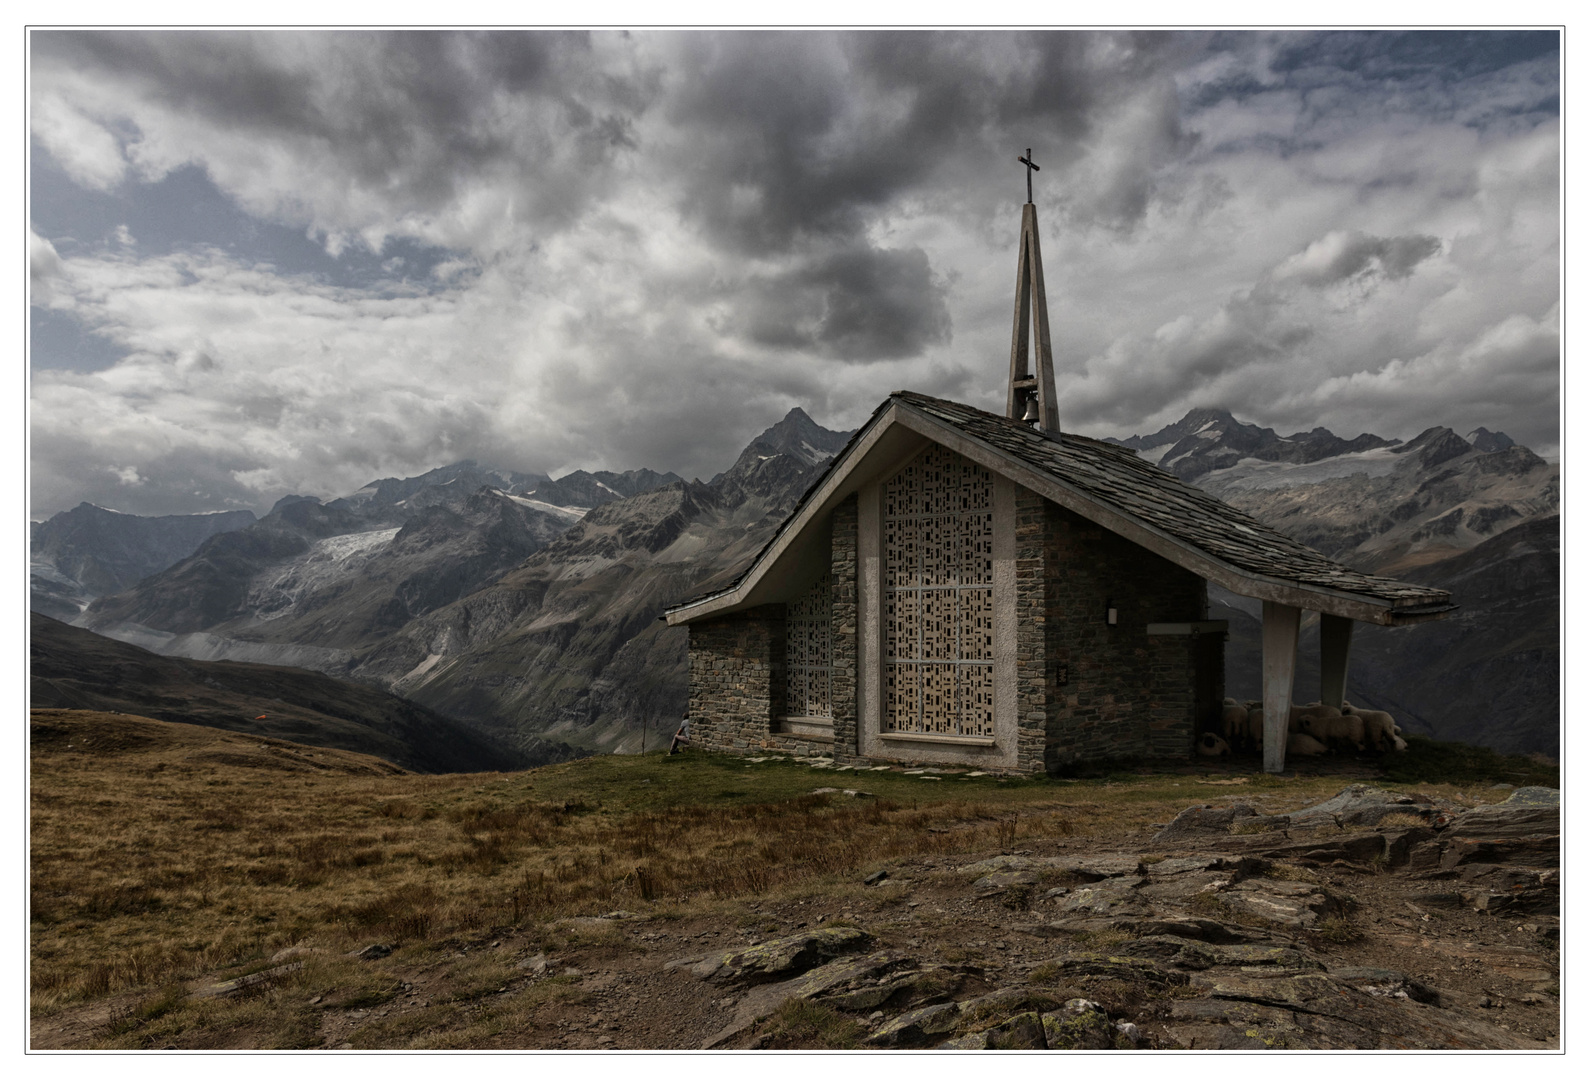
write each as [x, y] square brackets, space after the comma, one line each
[1255, 726]
[1301, 743]
[1379, 729]
[1256, 729]
[1297, 713]
[1332, 728]
[1212, 745]
[1234, 723]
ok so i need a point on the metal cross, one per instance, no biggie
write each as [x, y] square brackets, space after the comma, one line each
[1031, 168]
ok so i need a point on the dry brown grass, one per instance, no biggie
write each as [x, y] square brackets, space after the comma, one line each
[171, 851]
[163, 855]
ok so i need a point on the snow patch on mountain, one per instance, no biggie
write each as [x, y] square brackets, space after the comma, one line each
[1154, 454]
[562, 513]
[274, 592]
[1251, 474]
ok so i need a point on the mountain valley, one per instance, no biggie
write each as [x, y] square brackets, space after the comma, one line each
[528, 608]
[75, 669]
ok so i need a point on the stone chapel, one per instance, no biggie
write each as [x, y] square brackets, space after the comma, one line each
[979, 590]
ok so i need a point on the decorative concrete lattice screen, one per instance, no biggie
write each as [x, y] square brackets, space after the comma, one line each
[938, 597]
[809, 651]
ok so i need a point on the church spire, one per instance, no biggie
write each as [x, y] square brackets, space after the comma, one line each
[1031, 381]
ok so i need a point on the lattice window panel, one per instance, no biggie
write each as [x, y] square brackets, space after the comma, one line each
[938, 597]
[809, 652]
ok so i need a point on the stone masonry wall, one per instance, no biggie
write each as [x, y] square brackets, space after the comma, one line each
[733, 677]
[1085, 690]
[1100, 691]
[1035, 686]
[737, 669]
[846, 639]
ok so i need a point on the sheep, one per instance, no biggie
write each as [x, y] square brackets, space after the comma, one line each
[1254, 728]
[1379, 727]
[1298, 713]
[1352, 731]
[1332, 728]
[1212, 745]
[1397, 744]
[1379, 730]
[1300, 743]
[1234, 723]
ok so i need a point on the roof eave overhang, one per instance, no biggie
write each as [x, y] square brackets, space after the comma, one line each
[836, 486]
[832, 489]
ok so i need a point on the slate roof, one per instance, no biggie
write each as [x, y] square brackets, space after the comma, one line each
[1115, 476]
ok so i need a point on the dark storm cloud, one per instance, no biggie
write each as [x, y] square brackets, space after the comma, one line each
[408, 123]
[806, 135]
[859, 305]
[392, 105]
[619, 250]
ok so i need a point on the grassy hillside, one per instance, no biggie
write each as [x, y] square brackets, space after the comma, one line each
[73, 668]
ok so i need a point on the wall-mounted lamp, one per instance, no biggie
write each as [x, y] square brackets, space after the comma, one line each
[1109, 612]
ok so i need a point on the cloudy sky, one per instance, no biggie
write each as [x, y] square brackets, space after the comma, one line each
[279, 262]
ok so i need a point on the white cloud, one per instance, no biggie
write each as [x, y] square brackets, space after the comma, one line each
[84, 146]
[44, 267]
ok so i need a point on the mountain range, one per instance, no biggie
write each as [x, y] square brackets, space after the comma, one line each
[89, 551]
[528, 607]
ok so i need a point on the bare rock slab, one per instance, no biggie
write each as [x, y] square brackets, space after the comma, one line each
[1361, 805]
[781, 957]
[1112, 896]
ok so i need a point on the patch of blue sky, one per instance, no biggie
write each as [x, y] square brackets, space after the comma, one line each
[185, 210]
[58, 341]
[1415, 57]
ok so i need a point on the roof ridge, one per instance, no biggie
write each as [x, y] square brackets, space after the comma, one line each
[1116, 481]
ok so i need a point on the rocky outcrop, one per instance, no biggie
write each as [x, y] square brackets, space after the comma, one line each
[1238, 930]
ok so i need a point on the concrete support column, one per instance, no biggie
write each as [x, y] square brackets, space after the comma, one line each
[1335, 642]
[869, 617]
[1280, 665]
